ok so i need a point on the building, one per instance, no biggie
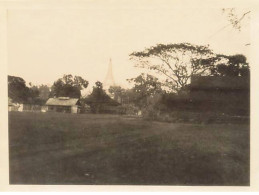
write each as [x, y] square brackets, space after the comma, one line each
[63, 104]
[227, 94]
[109, 80]
[12, 106]
[219, 88]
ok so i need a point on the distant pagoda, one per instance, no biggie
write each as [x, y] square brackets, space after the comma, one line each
[109, 80]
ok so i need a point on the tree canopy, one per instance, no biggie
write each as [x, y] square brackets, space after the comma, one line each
[44, 92]
[234, 65]
[69, 86]
[17, 89]
[145, 86]
[20, 93]
[177, 62]
[118, 93]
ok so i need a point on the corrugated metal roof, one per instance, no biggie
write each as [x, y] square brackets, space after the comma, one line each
[62, 101]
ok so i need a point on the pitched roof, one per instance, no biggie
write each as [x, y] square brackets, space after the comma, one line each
[223, 82]
[62, 101]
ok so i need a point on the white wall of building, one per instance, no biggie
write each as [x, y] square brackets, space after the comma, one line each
[74, 109]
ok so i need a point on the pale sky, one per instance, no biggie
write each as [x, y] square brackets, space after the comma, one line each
[44, 44]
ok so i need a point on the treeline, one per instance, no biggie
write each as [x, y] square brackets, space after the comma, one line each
[173, 64]
[67, 86]
[19, 92]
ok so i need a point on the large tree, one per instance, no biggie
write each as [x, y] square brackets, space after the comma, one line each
[69, 86]
[118, 93]
[176, 62]
[20, 93]
[17, 89]
[233, 65]
[38, 94]
[123, 96]
[44, 92]
[145, 86]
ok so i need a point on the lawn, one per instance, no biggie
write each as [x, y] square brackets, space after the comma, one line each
[56, 148]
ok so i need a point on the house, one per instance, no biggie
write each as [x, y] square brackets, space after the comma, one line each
[221, 93]
[63, 104]
[14, 106]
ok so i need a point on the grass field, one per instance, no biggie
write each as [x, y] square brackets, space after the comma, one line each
[56, 148]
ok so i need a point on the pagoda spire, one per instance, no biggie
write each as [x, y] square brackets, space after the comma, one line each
[109, 80]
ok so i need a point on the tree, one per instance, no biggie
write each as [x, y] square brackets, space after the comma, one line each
[44, 92]
[98, 99]
[17, 89]
[235, 65]
[177, 62]
[69, 86]
[34, 95]
[145, 86]
[38, 94]
[118, 93]
[20, 93]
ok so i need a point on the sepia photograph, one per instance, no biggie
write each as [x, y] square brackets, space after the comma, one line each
[141, 93]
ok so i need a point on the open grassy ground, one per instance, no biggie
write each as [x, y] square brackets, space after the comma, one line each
[56, 148]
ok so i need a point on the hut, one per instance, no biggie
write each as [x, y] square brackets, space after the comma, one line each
[12, 106]
[228, 94]
[63, 104]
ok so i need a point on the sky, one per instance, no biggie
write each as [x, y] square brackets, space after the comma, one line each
[44, 44]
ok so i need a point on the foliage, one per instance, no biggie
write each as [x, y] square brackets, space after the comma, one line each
[69, 86]
[44, 92]
[145, 86]
[34, 96]
[118, 93]
[129, 109]
[98, 99]
[20, 93]
[177, 62]
[235, 65]
[17, 89]
[38, 94]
